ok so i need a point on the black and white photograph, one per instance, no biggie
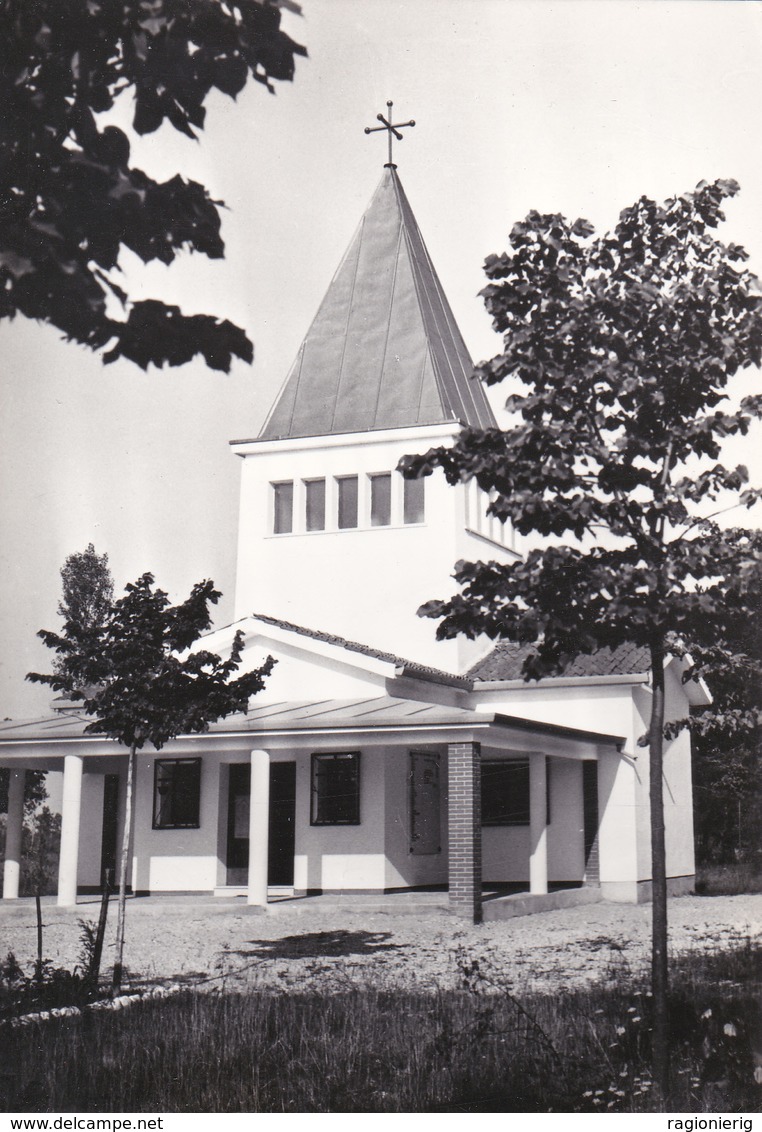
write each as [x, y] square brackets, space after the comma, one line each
[380, 560]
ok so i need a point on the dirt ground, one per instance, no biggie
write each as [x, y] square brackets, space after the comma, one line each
[210, 945]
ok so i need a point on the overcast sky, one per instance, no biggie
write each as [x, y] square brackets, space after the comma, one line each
[571, 107]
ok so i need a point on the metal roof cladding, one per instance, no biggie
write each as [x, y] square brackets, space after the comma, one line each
[384, 350]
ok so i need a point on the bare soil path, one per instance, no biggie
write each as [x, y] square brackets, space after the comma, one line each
[211, 944]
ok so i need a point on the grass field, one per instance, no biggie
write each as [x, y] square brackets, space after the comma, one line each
[481, 1048]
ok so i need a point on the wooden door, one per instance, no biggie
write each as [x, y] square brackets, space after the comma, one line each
[282, 821]
[109, 827]
[424, 803]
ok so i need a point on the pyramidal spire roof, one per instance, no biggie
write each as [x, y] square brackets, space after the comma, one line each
[384, 350]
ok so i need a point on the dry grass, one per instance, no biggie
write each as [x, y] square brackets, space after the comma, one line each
[366, 1049]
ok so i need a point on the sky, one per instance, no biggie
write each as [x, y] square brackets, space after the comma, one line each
[572, 107]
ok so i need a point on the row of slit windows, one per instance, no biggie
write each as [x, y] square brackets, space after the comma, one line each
[336, 791]
[347, 503]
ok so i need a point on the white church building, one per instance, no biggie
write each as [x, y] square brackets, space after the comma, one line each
[376, 759]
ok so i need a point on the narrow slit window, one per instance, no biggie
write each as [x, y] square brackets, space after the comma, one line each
[283, 508]
[347, 502]
[315, 496]
[414, 500]
[381, 500]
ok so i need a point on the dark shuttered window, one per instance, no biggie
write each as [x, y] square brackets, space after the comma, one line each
[177, 793]
[505, 792]
[336, 788]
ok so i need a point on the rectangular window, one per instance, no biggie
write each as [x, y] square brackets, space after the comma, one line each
[283, 508]
[315, 496]
[347, 502]
[177, 793]
[413, 508]
[381, 500]
[505, 792]
[336, 789]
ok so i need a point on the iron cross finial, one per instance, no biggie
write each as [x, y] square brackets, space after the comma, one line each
[391, 128]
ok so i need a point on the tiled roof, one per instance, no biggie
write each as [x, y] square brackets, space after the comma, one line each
[411, 667]
[506, 660]
[384, 350]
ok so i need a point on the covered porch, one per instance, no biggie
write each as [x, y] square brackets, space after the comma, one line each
[387, 798]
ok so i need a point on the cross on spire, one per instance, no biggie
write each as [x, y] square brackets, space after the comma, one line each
[391, 128]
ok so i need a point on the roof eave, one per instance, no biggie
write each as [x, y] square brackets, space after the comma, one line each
[413, 672]
[560, 682]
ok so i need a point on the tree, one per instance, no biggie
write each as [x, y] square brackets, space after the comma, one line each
[35, 790]
[69, 198]
[727, 753]
[87, 588]
[41, 844]
[144, 686]
[626, 343]
[87, 594]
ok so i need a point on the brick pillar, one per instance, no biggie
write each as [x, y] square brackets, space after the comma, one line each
[465, 830]
[591, 830]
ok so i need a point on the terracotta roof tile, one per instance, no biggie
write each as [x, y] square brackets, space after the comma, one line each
[506, 660]
[412, 668]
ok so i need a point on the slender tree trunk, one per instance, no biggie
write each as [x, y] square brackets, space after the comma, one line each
[38, 909]
[126, 838]
[95, 964]
[659, 968]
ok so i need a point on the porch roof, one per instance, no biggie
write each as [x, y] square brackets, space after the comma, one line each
[378, 713]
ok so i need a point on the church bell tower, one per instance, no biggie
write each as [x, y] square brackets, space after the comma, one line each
[331, 536]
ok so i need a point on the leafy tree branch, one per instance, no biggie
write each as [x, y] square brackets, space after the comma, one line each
[626, 345]
[69, 198]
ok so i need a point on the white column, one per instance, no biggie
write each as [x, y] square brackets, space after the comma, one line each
[12, 870]
[70, 814]
[538, 825]
[259, 820]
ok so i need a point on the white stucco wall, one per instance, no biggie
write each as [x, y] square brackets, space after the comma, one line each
[606, 708]
[325, 857]
[505, 849]
[335, 857]
[364, 584]
[566, 848]
[175, 860]
[91, 816]
[404, 868]
[677, 786]
[90, 830]
[619, 816]
[301, 676]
